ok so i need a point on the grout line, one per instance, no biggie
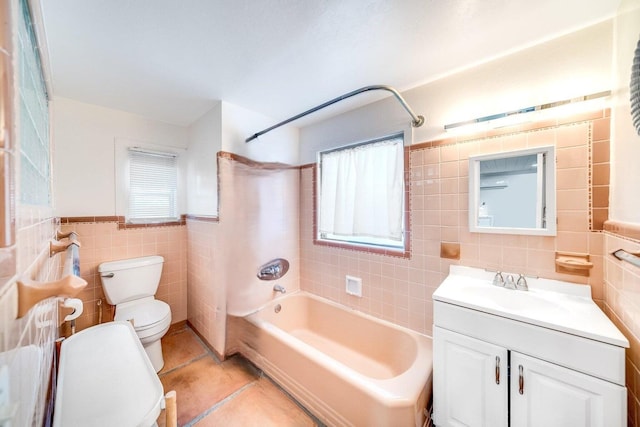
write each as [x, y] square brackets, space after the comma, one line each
[206, 347]
[217, 405]
[207, 352]
[316, 420]
[175, 368]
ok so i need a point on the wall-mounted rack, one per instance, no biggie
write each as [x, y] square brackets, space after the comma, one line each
[30, 292]
[630, 257]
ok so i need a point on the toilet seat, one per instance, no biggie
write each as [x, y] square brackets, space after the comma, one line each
[150, 316]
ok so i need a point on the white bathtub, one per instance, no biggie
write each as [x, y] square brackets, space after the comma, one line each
[347, 368]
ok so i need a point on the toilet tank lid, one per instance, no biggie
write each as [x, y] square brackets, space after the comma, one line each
[124, 264]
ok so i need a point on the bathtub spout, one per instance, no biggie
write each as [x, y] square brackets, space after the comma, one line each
[278, 288]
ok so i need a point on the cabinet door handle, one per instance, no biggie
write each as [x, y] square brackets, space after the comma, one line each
[497, 369]
[520, 380]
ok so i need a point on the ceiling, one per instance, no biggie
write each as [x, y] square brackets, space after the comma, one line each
[171, 60]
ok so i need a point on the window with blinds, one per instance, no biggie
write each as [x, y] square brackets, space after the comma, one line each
[153, 186]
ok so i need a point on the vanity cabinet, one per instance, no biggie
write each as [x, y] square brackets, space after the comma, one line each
[545, 394]
[548, 357]
[471, 381]
[480, 384]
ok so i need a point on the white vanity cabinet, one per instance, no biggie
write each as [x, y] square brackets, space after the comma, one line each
[548, 357]
[471, 383]
[545, 394]
[473, 389]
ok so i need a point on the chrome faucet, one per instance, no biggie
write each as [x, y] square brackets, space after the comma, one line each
[521, 284]
[498, 280]
[273, 270]
[510, 283]
[279, 288]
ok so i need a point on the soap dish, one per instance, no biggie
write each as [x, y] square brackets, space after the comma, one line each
[573, 263]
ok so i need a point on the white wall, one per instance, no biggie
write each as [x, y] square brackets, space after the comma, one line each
[625, 143]
[83, 158]
[280, 145]
[573, 65]
[225, 128]
[205, 140]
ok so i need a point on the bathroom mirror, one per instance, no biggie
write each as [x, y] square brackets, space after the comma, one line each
[513, 192]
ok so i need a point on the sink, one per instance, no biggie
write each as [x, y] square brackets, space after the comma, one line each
[553, 304]
[514, 300]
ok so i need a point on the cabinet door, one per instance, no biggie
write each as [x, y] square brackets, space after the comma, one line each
[469, 381]
[548, 395]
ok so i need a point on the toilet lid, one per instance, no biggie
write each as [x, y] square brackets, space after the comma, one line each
[144, 314]
[106, 379]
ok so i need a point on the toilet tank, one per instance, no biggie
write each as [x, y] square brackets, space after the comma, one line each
[130, 279]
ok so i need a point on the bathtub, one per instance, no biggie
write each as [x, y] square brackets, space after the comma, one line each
[345, 367]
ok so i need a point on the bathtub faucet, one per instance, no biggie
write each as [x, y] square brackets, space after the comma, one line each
[278, 288]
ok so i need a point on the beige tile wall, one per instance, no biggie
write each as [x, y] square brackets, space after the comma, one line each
[205, 294]
[103, 241]
[622, 305]
[400, 290]
[27, 344]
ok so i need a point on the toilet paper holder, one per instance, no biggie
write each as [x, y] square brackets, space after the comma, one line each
[77, 305]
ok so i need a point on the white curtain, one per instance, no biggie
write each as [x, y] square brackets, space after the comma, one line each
[361, 190]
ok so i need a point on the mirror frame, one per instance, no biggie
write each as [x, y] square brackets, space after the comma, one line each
[549, 184]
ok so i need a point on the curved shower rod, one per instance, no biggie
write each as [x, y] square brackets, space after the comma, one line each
[416, 121]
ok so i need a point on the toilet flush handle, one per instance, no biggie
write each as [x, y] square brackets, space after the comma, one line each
[108, 275]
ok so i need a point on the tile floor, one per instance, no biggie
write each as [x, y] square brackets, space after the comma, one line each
[229, 393]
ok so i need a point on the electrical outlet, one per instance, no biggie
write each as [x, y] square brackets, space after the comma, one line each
[353, 286]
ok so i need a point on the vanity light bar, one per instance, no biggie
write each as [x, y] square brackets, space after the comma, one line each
[526, 110]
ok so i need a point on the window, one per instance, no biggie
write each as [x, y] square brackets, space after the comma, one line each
[361, 194]
[153, 181]
[35, 182]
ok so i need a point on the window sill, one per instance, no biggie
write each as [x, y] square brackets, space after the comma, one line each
[379, 250]
[122, 225]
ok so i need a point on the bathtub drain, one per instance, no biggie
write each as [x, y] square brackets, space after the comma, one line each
[277, 308]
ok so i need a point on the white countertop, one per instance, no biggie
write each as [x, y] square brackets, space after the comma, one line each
[552, 304]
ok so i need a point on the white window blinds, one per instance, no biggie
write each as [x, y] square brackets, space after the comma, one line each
[153, 181]
[361, 193]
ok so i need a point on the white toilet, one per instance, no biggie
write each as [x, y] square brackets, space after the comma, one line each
[130, 285]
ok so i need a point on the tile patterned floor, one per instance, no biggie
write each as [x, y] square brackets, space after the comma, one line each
[230, 393]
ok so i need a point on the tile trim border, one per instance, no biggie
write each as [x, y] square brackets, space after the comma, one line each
[122, 225]
[623, 229]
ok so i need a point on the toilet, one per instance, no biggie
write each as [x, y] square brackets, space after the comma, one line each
[130, 285]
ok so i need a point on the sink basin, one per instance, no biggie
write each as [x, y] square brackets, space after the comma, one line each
[553, 304]
[514, 300]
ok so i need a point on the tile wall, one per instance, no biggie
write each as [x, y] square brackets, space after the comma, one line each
[27, 344]
[258, 222]
[400, 290]
[622, 305]
[205, 294]
[103, 241]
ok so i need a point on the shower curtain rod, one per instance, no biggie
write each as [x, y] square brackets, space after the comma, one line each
[416, 121]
